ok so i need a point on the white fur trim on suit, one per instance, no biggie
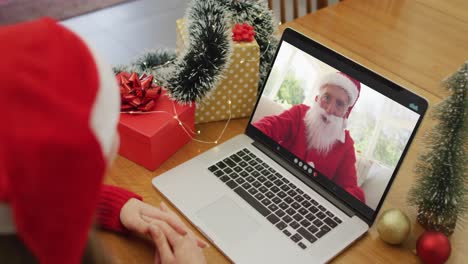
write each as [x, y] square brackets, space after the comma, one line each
[7, 225]
[343, 82]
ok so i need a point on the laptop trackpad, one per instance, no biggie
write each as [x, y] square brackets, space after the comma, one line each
[227, 220]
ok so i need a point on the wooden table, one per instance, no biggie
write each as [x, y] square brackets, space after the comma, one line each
[415, 43]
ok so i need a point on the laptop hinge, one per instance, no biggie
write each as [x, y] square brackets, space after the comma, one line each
[304, 178]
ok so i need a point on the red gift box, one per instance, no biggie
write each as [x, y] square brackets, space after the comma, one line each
[151, 138]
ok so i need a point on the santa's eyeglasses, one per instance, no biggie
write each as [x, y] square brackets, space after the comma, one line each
[333, 105]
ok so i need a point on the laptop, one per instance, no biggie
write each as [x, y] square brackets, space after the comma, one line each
[262, 199]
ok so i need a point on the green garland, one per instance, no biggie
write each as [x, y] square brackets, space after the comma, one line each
[148, 62]
[196, 71]
[192, 75]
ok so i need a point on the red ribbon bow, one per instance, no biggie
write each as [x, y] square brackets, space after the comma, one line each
[137, 93]
[243, 32]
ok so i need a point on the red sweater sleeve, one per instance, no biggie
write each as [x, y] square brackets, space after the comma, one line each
[111, 201]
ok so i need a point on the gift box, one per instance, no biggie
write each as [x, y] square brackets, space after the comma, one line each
[238, 86]
[151, 138]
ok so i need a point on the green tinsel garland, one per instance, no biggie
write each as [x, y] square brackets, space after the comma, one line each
[191, 76]
[196, 71]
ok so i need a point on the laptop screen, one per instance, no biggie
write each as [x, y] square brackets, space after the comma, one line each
[341, 124]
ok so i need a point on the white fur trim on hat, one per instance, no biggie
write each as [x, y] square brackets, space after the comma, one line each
[342, 81]
[106, 108]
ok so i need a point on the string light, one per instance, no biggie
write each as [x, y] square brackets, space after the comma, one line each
[184, 126]
[261, 55]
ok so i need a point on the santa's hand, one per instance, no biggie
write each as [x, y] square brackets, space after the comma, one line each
[138, 216]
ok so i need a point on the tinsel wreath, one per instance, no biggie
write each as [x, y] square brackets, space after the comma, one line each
[192, 75]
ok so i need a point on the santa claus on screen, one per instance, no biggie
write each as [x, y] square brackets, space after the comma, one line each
[317, 134]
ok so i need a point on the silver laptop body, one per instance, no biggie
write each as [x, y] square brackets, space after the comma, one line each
[220, 198]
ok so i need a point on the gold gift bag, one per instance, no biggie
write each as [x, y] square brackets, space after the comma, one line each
[239, 84]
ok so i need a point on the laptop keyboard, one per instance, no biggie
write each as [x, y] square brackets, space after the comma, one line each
[292, 211]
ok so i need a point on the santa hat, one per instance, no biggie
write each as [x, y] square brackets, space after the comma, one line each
[349, 84]
[60, 107]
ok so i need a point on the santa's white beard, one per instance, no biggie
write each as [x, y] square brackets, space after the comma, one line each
[323, 130]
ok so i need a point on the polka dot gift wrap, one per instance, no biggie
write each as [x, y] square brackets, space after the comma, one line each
[239, 85]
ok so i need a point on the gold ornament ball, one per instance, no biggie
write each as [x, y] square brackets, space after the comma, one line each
[394, 226]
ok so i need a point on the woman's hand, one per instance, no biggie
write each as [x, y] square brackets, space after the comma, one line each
[174, 248]
[138, 216]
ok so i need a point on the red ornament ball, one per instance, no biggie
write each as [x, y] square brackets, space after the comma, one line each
[433, 247]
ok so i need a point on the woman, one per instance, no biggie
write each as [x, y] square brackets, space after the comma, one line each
[60, 105]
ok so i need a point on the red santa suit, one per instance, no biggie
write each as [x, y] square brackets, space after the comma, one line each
[338, 165]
